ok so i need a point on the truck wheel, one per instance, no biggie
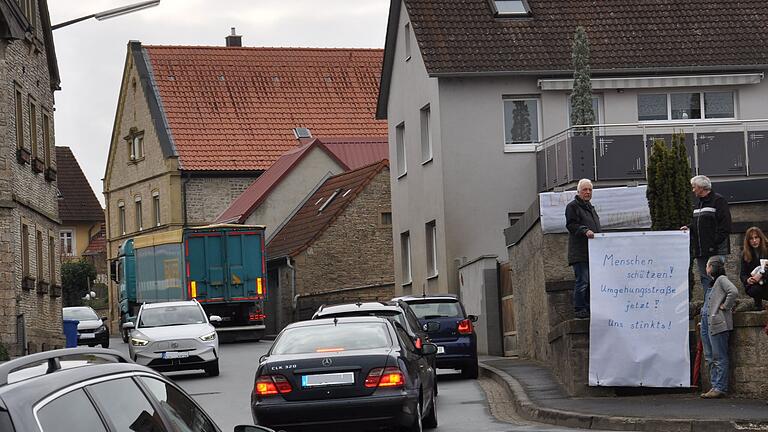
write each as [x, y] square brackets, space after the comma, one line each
[124, 334]
[212, 368]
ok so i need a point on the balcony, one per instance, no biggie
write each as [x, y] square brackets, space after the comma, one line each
[618, 153]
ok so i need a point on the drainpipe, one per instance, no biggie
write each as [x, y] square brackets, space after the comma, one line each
[294, 297]
[184, 197]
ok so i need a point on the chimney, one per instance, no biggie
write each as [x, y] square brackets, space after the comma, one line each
[234, 40]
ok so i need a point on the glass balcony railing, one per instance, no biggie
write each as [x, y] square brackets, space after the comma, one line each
[620, 152]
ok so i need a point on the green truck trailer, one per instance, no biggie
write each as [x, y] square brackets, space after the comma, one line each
[222, 266]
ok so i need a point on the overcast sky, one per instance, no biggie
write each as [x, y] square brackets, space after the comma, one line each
[91, 53]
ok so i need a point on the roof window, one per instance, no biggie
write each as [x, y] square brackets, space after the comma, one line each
[511, 8]
[330, 199]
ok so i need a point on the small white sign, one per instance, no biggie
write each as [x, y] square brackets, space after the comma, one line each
[618, 208]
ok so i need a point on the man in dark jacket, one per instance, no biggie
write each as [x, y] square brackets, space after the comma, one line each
[710, 227]
[582, 223]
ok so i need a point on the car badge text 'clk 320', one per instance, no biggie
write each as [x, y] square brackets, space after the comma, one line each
[282, 367]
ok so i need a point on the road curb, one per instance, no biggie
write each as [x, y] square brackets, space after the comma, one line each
[532, 411]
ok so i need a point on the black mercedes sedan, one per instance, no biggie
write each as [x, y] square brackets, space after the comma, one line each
[349, 373]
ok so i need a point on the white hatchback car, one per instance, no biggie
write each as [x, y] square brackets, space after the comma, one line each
[174, 336]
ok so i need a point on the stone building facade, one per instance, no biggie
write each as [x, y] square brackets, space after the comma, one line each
[30, 291]
[347, 257]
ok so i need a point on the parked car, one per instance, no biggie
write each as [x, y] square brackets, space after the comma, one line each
[350, 372]
[174, 336]
[91, 329]
[95, 390]
[455, 336]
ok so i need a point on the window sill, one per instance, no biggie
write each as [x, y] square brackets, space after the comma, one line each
[434, 276]
[402, 175]
[407, 284]
[426, 161]
[520, 148]
[135, 161]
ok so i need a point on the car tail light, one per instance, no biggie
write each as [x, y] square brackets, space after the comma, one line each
[267, 385]
[256, 316]
[465, 327]
[384, 377]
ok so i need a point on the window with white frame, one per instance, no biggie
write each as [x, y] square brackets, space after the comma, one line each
[121, 217]
[402, 167]
[431, 242]
[426, 135]
[67, 241]
[511, 8]
[156, 207]
[139, 215]
[686, 106]
[405, 252]
[521, 120]
[596, 108]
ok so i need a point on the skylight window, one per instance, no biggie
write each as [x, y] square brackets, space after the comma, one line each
[327, 203]
[511, 8]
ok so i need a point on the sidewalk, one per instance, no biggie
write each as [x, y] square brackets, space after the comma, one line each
[539, 397]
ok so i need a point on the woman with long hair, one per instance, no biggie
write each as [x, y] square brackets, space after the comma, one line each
[752, 273]
[716, 326]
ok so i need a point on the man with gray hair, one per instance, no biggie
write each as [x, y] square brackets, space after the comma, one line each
[582, 222]
[710, 227]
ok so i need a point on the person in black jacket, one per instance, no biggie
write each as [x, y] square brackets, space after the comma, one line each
[582, 222]
[755, 249]
[710, 227]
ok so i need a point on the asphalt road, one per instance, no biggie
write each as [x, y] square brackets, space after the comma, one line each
[462, 405]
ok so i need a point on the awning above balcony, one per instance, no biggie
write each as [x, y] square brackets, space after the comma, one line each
[656, 81]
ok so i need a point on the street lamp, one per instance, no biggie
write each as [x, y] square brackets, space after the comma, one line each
[107, 14]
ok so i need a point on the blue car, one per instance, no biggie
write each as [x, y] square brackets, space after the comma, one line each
[455, 337]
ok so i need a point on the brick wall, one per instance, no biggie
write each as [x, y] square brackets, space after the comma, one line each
[27, 197]
[207, 197]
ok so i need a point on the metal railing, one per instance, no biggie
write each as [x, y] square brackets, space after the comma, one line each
[620, 152]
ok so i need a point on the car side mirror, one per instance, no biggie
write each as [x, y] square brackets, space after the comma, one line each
[129, 326]
[104, 319]
[251, 428]
[214, 319]
[472, 318]
[428, 349]
[431, 326]
[262, 358]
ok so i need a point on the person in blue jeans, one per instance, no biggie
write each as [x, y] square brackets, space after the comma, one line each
[716, 327]
[582, 222]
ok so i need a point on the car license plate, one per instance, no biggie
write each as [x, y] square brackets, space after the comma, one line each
[440, 350]
[328, 379]
[87, 336]
[175, 354]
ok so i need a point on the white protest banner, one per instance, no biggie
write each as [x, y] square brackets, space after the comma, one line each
[638, 333]
[618, 208]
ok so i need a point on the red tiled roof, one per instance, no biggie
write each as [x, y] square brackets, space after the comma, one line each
[309, 223]
[349, 152]
[463, 36]
[357, 152]
[98, 243]
[235, 108]
[77, 201]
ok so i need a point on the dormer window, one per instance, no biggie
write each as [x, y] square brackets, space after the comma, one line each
[511, 8]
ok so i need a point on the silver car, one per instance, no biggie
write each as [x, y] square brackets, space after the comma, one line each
[91, 329]
[174, 336]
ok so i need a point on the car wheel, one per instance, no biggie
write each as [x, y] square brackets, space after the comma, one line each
[212, 368]
[430, 420]
[416, 426]
[105, 344]
[124, 333]
[471, 370]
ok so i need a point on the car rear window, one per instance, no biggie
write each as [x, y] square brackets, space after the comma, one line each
[332, 338]
[437, 309]
[171, 315]
[80, 314]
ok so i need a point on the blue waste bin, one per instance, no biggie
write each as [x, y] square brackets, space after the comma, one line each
[70, 332]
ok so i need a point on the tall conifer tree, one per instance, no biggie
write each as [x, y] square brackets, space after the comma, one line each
[581, 98]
